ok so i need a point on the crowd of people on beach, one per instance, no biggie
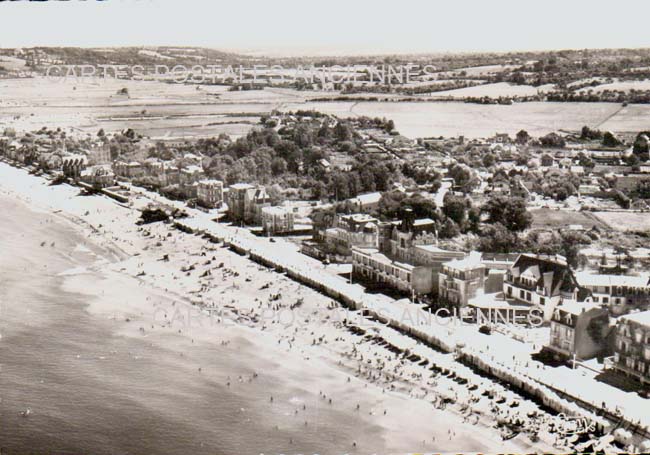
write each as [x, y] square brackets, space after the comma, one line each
[215, 278]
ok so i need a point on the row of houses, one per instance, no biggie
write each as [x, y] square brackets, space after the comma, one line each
[247, 204]
[400, 254]
[583, 330]
[589, 314]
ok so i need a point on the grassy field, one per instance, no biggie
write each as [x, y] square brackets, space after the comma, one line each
[625, 221]
[624, 86]
[152, 108]
[428, 119]
[558, 219]
[176, 110]
[474, 71]
[495, 90]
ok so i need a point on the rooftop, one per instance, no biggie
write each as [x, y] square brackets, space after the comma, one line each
[368, 198]
[377, 256]
[471, 262]
[588, 279]
[210, 182]
[192, 168]
[642, 318]
[275, 210]
[435, 249]
[358, 217]
[241, 186]
[423, 222]
[576, 308]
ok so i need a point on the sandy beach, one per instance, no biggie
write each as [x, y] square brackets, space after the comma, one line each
[209, 346]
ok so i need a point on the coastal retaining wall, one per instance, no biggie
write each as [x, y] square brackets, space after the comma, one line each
[338, 292]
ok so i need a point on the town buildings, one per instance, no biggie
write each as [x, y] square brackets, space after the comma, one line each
[579, 330]
[100, 154]
[632, 346]
[621, 293]
[405, 259]
[372, 265]
[131, 169]
[357, 229]
[245, 202]
[365, 202]
[277, 220]
[98, 176]
[540, 281]
[72, 165]
[188, 180]
[461, 280]
[209, 193]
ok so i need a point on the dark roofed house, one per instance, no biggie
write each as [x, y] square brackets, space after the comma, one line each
[540, 281]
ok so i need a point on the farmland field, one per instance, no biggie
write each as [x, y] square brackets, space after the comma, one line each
[626, 221]
[549, 218]
[624, 86]
[426, 119]
[496, 90]
[474, 71]
[176, 110]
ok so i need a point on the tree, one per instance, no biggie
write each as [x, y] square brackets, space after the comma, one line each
[463, 177]
[509, 211]
[640, 146]
[449, 229]
[553, 140]
[343, 132]
[474, 219]
[522, 137]
[585, 161]
[609, 140]
[454, 207]
[496, 238]
[278, 166]
[588, 134]
[489, 160]
[323, 218]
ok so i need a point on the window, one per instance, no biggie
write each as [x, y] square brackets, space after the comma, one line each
[542, 301]
[522, 294]
[528, 296]
[605, 299]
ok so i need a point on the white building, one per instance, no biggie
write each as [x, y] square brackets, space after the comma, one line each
[210, 192]
[616, 291]
[277, 220]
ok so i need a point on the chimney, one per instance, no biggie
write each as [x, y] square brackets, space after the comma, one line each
[408, 218]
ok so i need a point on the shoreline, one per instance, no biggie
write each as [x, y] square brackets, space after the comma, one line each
[333, 354]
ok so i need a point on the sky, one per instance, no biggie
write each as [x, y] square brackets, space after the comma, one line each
[331, 27]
